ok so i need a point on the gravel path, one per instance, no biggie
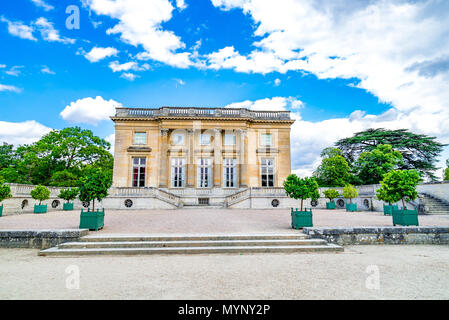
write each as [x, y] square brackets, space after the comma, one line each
[405, 272]
[205, 220]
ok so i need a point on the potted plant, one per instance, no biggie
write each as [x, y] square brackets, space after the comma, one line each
[40, 193]
[94, 186]
[350, 192]
[303, 189]
[331, 194]
[400, 185]
[68, 195]
[5, 193]
[382, 195]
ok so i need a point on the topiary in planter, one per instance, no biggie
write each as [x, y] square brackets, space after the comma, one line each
[68, 195]
[40, 193]
[5, 193]
[350, 192]
[331, 194]
[400, 185]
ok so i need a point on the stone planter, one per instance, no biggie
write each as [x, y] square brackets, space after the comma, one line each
[330, 205]
[1, 210]
[405, 217]
[351, 207]
[92, 220]
[388, 210]
[67, 207]
[40, 208]
[301, 219]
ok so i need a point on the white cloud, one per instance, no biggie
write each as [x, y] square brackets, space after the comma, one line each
[47, 70]
[111, 139]
[139, 24]
[43, 4]
[2, 66]
[129, 76]
[4, 87]
[14, 71]
[269, 104]
[180, 82]
[181, 4]
[49, 33]
[18, 29]
[117, 67]
[98, 53]
[18, 133]
[277, 82]
[89, 110]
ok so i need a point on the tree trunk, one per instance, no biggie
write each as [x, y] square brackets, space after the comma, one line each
[403, 204]
[93, 205]
[301, 203]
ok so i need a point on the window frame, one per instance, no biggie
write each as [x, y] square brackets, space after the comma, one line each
[267, 174]
[183, 139]
[234, 139]
[208, 174]
[205, 135]
[175, 165]
[141, 133]
[262, 140]
[233, 168]
[139, 181]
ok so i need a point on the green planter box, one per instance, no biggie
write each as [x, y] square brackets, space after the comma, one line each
[40, 208]
[330, 205]
[1, 210]
[92, 220]
[351, 207]
[388, 210]
[405, 217]
[301, 219]
[67, 207]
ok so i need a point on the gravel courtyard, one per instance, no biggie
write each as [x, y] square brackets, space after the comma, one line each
[205, 220]
[405, 272]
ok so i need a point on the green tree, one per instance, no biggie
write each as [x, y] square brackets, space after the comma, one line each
[6, 155]
[350, 192]
[399, 185]
[419, 151]
[5, 191]
[303, 189]
[334, 170]
[372, 165]
[446, 171]
[331, 194]
[64, 178]
[40, 193]
[94, 186]
[69, 194]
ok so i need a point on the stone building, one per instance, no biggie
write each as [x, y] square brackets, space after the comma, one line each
[201, 151]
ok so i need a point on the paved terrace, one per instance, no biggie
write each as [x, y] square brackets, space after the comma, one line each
[191, 221]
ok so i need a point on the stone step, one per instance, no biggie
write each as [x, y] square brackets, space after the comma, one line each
[202, 207]
[438, 212]
[201, 243]
[191, 237]
[192, 250]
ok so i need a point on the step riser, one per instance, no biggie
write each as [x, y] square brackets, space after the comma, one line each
[192, 238]
[312, 249]
[186, 244]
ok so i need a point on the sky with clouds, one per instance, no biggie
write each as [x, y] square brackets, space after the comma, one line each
[339, 66]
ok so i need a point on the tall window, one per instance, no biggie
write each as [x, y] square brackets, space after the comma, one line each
[266, 139]
[178, 172]
[140, 138]
[230, 173]
[139, 170]
[267, 170]
[230, 139]
[204, 173]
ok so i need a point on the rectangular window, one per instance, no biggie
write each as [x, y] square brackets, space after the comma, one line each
[178, 172]
[266, 139]
[230, 173]
[204, 173]
[140, 138]
[139, 170]
[229, 139]
[267, 171]
[205, 139]
[178, 139]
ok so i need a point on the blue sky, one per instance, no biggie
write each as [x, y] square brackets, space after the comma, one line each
[339, 66]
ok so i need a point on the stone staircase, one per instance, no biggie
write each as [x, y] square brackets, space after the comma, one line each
[434, 205]
[191, 244]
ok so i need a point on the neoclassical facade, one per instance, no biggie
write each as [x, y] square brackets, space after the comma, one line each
[175, 148]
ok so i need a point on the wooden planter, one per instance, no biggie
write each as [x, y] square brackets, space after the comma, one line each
[405, 217]
[301, 219]
[92, 220]
[388, 209]
[39, 209]
[351, 207]
[330, 205]
[67, 207]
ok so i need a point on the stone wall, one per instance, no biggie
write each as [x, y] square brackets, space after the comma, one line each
[38, 239]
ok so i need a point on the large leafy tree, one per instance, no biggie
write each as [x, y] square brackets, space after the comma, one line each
[334, 170]
[419, 151]
[6, 155]
[373, 165]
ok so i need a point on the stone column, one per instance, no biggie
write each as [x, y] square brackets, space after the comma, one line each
[190, 178]
[243, 174]
[163, 175]
[217, 157]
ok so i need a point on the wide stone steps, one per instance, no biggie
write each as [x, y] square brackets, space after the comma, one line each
[195, 244]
